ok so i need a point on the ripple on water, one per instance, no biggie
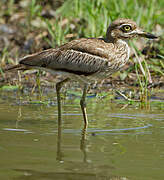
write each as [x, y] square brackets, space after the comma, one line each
[17, 130]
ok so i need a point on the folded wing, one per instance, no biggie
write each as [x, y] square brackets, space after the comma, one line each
[82, 56]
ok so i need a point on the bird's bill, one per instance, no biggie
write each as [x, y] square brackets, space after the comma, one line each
[146, 34]
[150, 36]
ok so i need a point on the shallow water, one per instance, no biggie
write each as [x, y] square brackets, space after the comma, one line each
[123, 142]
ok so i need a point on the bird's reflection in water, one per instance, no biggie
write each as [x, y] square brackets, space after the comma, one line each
[82, 142]
[59, 139]
[83, 169]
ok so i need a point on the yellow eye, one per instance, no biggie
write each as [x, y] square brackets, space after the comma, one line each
[126, 28]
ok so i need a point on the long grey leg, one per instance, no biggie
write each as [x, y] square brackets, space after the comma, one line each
[83, 108]
[83, 145]
[59, 152]
[83, 105]
[58, 88]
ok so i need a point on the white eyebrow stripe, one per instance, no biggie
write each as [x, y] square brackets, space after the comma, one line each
[124, 25]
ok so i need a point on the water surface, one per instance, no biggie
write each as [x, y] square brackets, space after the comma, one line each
[123, 142]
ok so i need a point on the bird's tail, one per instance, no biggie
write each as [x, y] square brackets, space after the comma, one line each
[14, 67]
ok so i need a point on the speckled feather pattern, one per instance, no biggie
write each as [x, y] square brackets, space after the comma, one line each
[89, 58]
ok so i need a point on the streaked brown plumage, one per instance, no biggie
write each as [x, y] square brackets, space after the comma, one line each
[87, 59]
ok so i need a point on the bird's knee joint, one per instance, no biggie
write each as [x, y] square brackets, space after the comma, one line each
[58, 86]
[82, 103]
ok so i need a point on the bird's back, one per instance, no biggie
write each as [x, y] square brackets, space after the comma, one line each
[84, 56]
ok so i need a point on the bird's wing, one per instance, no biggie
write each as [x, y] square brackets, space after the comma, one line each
[82, 56]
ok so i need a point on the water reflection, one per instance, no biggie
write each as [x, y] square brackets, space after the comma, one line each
[31, 175]
[59, 156]
[81, 172]
[120, 143]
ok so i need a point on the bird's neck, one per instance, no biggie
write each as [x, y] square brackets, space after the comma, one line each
[121, 41]
[118, 43]
[124, 48]
[113, 40]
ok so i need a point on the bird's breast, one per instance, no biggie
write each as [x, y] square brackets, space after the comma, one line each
[120, 55]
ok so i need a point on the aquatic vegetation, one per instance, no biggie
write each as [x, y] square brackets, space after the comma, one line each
[29, 26]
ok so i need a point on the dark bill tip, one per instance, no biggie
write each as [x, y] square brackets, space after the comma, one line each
[150, 36]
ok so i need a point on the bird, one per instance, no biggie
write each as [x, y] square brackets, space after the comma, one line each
[86, 60]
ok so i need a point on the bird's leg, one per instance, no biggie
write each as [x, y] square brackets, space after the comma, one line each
[59, 152]
[83, 106]
[58, 88]
[83, 144]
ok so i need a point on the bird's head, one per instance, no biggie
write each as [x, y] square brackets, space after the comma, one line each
[126, 29]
